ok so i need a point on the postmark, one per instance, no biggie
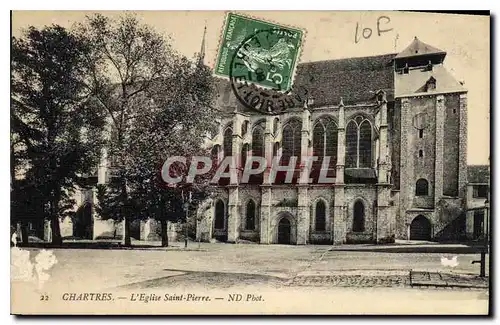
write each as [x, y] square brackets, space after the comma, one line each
[267, 53]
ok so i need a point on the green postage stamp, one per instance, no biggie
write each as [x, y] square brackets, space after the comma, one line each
[258, 52]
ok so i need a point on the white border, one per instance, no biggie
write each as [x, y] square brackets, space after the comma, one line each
[193, 5]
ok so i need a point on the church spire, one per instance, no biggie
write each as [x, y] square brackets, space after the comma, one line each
[202, 50]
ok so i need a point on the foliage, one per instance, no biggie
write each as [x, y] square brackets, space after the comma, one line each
[158, 104]
[55, 129]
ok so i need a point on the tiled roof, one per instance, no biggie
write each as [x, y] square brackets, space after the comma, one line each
[478, 174]
[354, 79]
[415, 80]
[417, 48]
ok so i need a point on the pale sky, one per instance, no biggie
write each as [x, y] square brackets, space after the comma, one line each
[331, 35]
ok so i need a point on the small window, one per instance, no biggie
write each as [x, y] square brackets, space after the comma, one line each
[320, 216]
[250, 220]
[480, 191]
[430, 84]
[421, 133]
[421, 153]
[358, 223]
[422, 187]
[454, 111]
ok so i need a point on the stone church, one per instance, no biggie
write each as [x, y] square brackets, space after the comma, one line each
[395, 127]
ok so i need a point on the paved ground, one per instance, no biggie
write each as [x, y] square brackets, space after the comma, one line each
[372, 280]
[228, 264]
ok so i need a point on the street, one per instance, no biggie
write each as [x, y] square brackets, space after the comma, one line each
[376, 281]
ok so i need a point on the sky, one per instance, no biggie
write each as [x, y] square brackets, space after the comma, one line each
[332, 35]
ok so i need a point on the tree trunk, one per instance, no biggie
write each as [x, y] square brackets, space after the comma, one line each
[126, 241]
[164, 233]
[54, 224]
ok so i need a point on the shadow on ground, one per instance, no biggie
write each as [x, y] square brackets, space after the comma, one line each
[212, 280]
[108, 245]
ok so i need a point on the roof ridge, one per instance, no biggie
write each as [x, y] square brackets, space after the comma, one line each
[348, 58]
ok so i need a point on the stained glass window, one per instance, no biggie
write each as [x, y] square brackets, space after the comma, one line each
[351, 158]
[258, 140]
[291, 141]
[325, 140]
[228, 142]
[359, 143]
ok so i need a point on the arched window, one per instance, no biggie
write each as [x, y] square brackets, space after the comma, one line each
[244, 154]
[358, 221]
[250, 219]
[258, 139]
[325, 140]
[219, 215]
[365, 145]
[359, 143]
[320, 220]
[422, 187]
[291, 141]
[228, 142]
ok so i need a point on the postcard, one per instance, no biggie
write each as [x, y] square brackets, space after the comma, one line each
[250, 163]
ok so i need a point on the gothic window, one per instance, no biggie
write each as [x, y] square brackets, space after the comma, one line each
[359, 143]
[420, 133]
[258, 140]
[422, 187]
[325, 140]
[250, 219]
[351, 158]
[219, 215]
[320, 220]
[291, 141]
[358, 222]
[228, 142]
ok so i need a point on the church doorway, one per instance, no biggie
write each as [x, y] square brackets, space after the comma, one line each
[284, 231]
[420, 228]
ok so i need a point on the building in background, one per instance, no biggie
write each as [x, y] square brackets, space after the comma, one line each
[478, 189]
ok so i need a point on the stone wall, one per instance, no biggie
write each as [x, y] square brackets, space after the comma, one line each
[451, 145]
[367, 194]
